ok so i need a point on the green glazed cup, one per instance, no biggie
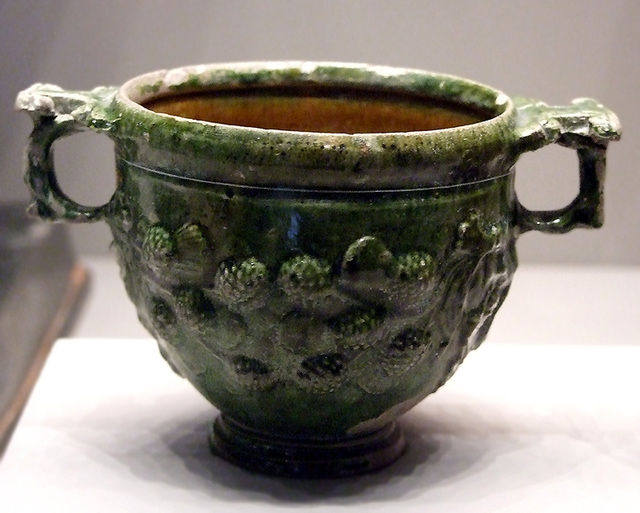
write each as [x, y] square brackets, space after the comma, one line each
[315, 246]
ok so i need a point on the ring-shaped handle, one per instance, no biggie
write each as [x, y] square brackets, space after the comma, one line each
[586, 126]
[57, 113]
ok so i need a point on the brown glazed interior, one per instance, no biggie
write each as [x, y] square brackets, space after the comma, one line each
[326, 109]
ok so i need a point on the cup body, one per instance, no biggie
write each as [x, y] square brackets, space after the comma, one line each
[314, 313]
[309, 282]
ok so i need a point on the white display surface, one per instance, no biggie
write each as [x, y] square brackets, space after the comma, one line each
[539, 428]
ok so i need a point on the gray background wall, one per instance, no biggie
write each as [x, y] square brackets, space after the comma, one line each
[552, 50]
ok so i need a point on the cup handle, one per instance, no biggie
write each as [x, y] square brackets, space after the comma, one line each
[586, 126]
[57, 113]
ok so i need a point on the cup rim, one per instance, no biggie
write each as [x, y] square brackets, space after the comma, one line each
[438, 86]
[264, 157]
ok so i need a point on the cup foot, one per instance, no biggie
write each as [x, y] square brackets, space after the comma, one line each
[302, 457]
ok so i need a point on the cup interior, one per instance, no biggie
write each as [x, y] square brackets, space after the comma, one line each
[324, 109]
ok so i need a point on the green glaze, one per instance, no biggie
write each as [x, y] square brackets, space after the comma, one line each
[302, 301]
[315, 286]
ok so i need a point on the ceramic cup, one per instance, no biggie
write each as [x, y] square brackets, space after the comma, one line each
[315, 246]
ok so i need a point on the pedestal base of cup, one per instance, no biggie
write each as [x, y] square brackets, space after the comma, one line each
[306, 457]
